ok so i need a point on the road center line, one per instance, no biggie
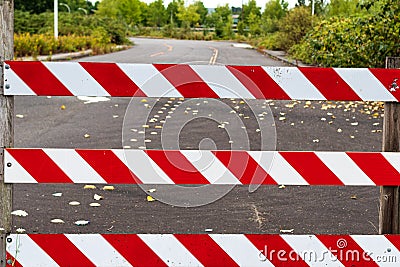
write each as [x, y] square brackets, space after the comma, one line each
[214, 57]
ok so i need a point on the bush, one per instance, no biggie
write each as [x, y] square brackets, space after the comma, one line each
[41, 44]
[351, 42]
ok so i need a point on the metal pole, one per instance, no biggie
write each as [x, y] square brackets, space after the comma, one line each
[312, 7]
[56, 19]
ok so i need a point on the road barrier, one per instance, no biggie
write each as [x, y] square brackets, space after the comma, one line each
[233, 167]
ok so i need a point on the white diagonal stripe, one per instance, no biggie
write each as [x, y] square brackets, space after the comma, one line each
[74, 166]
[210, 167]
[17, 85]
[16, 173]
[149, 80]
[240, 249]
[74, 77]
[379, 248]
[294, 83]
[365, 84]
[143, 166]
[222, 81]
[169, 249]
[279, 169]
[344, 168]
[312, 250]
[27, 252]
[98, 250]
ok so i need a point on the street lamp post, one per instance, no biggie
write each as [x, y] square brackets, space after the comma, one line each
[56, 19]
[67, 6]
[84, 10]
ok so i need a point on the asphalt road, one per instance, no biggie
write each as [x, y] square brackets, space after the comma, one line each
[347, 126]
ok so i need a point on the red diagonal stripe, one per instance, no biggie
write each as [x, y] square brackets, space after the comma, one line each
[376, 167]
[329, 83]
[258, 82]
[109, 166]
[177, 167]
[206, 250]
[186, 80]
[134, 250]
[244, 167]
[39, 78]
[269, 247]
[61, 249]
[112, 79]
[311, 168]
[347, 251]
[386, 77]
[14, 262]
[39, 165]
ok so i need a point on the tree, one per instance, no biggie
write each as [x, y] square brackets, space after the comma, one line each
[156, 14]
[188, 15]
[343, 8]
[202, 10]
[221, 20]
[37, 6]
[294, 26]
[274, 11]
[172, 11]
[250, 8]
[129, 11]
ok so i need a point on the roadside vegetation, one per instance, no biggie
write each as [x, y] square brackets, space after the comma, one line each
[341, 33]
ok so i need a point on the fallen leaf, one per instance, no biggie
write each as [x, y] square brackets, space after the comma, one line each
[354, 123]
[150, 199]
[152, 190]
[20, 116]
[94, 204]
[62, 107]
[81, 222]
[354, 197]
[143, 100]
[282, 118]
[86, 135]
[57, 194]
[98, 197]
[57, 221]
[20, 230]
[208, 230]
[315, 141]
[108, 187]
[20, 213]
[289, 231]
[89, 186]
[74, 203]
[282, 186]
[339, 130]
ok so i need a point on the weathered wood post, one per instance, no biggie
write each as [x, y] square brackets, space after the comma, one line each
[389, 211]
[6, 121]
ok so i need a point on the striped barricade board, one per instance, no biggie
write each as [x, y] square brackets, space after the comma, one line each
[115, 166]
[128, 166]
[120, 250]
[199, 81]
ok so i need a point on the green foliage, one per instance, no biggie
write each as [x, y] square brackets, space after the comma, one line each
[156, 14]
[128, 11]
[294, 26]
[274, 11]
[202, 10]
[69, 24]
[343, 8]
[221, 17]
[44, 44]
[188, 15]
[351, 42]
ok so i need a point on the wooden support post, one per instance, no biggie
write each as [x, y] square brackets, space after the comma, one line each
[389, 211]
[6, 121]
